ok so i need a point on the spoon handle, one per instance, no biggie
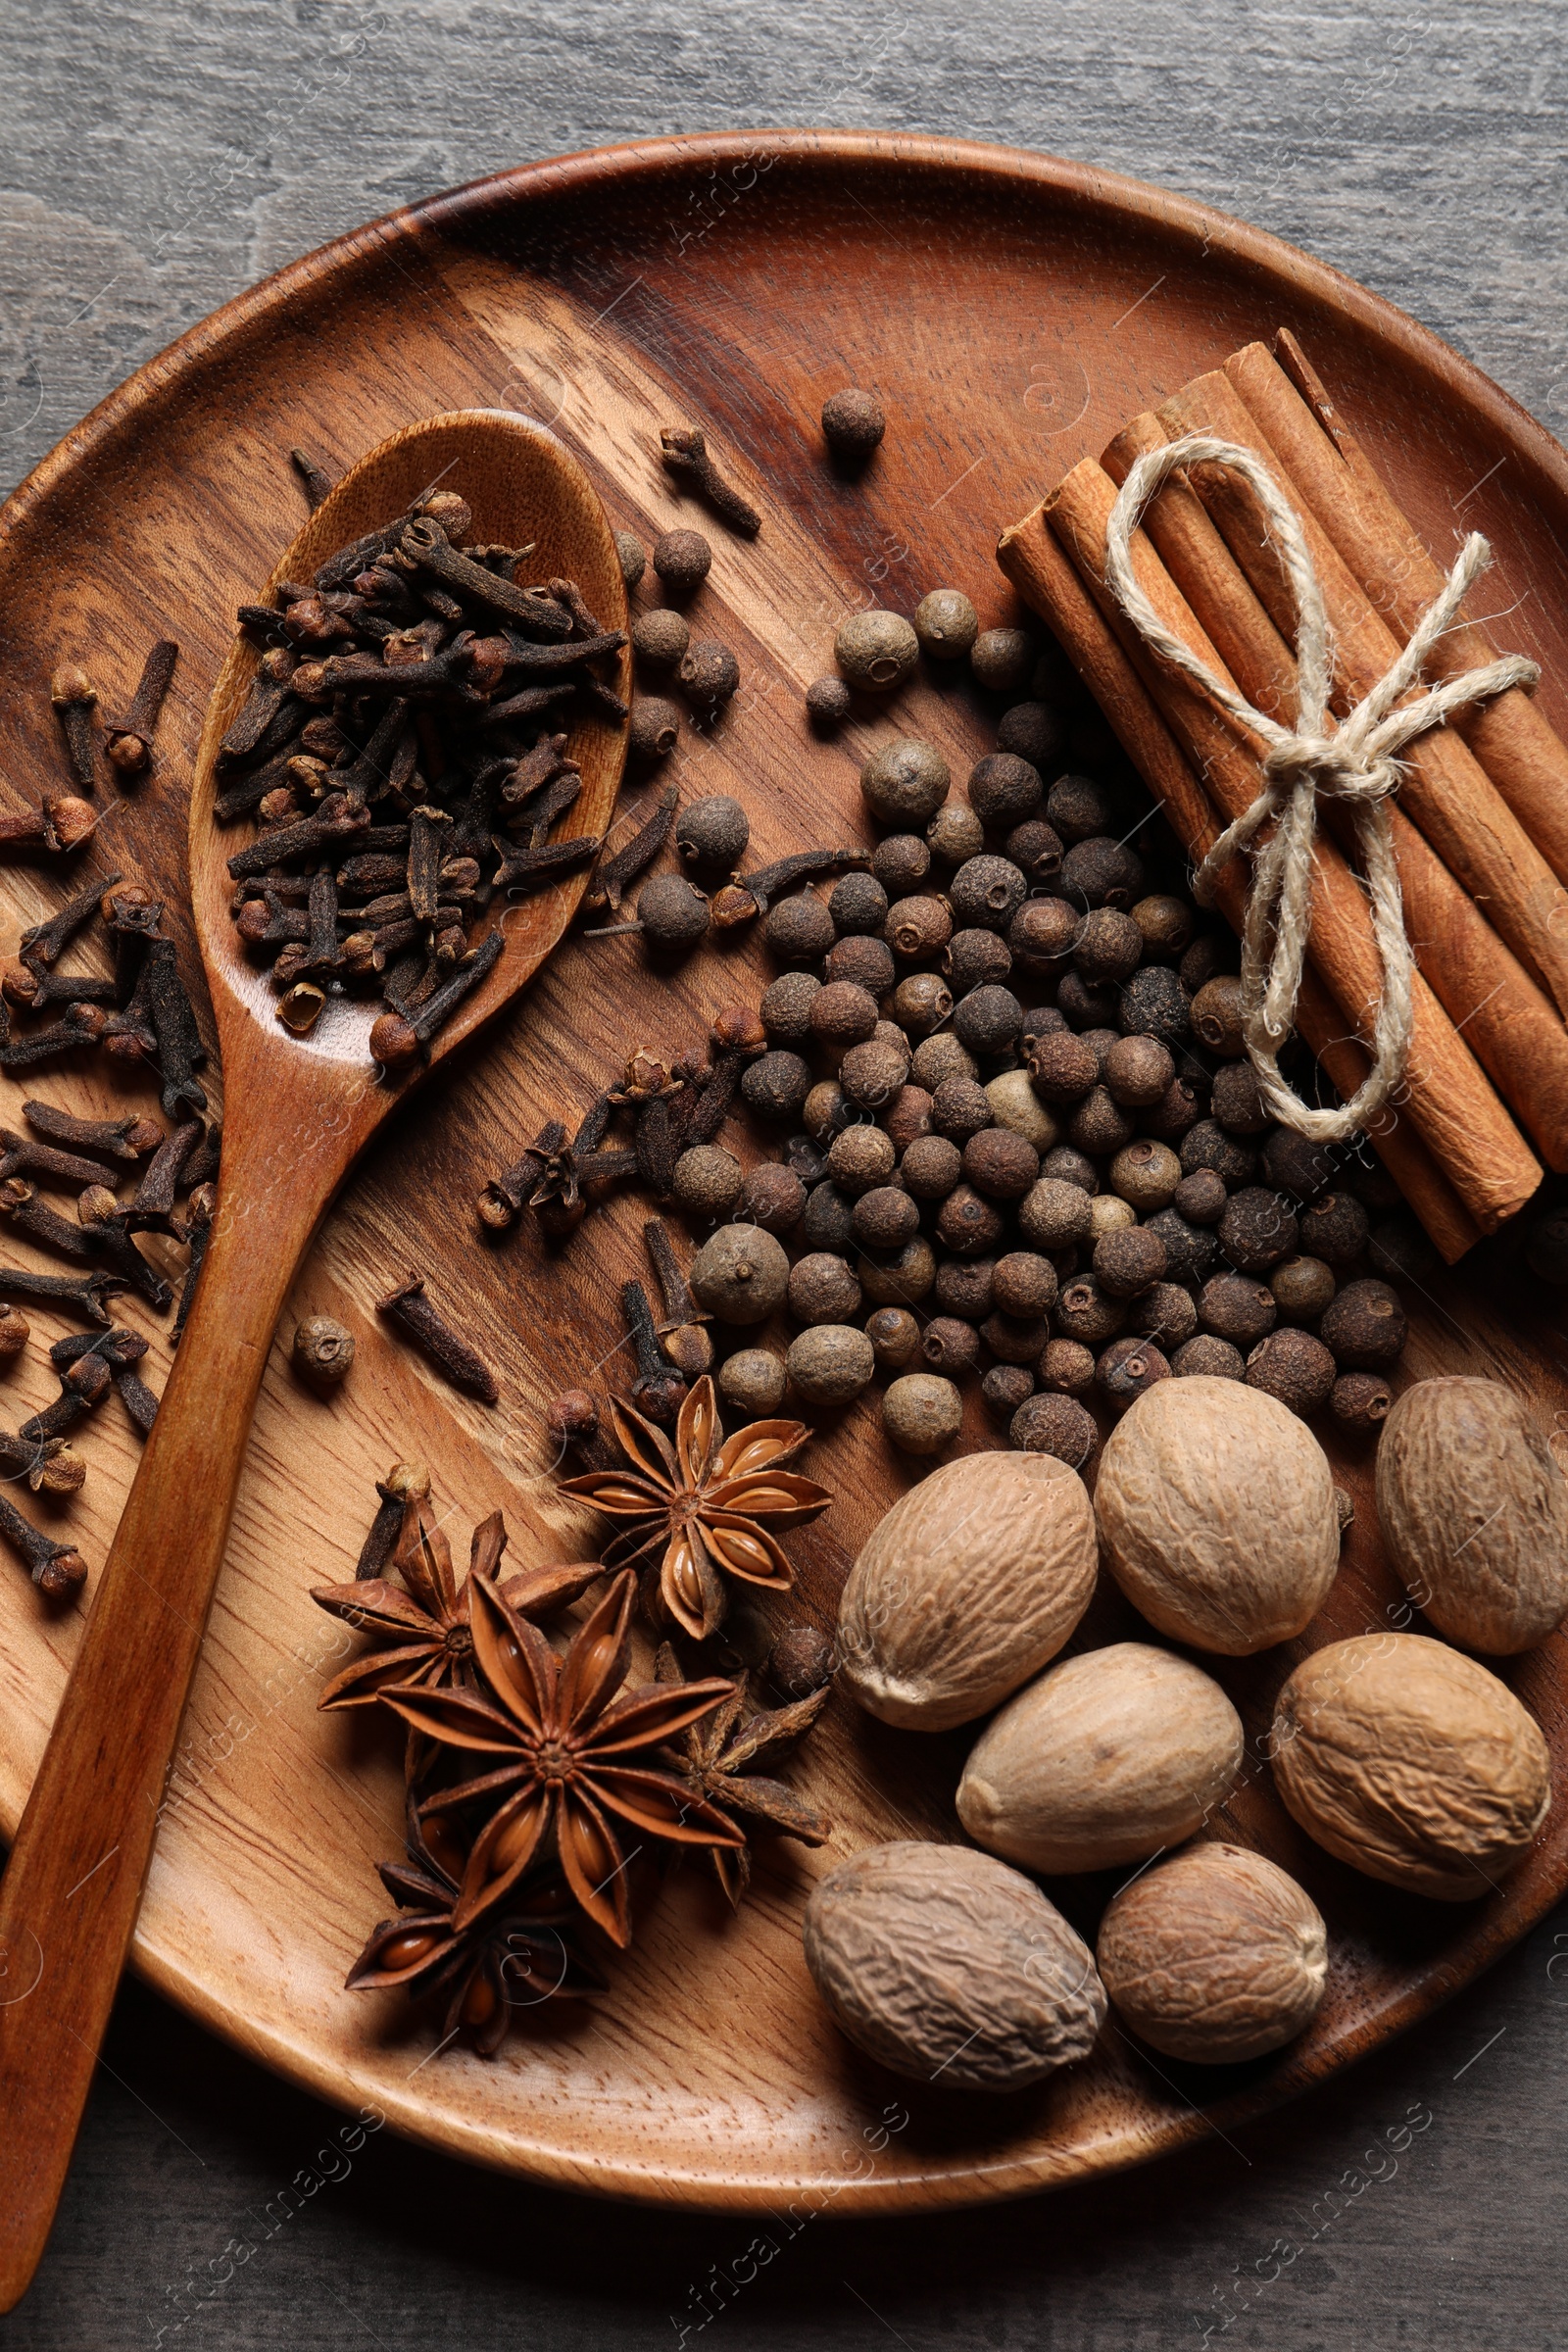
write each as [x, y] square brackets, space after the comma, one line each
[73, 1886]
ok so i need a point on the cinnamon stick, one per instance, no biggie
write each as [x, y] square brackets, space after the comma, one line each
[1510, 1025]
[1333, 476]
[1445, 790]
[1047, 583]
[1448, 1094]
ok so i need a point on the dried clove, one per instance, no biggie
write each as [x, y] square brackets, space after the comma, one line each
[686, 453]
[403, 1481]
[315, 482]
[396, 1039]
[45, 941]
[58, 824]
[129, 741]
[57, 1569]
[121, 1352]
[658, 1391]
[82, 1385]
[428, 544]
[82, 1294]
[79, 1025]
[199, 1211]
[103, 1228]
[682, 1333]
[21, 1156]
[612, 876]
[751, 894]
[71, 693]
[49, 1465]
[152, 1209]
[180, 1051]
[462, 1365]
[527, 871]
[31, 991]
[114, 1139]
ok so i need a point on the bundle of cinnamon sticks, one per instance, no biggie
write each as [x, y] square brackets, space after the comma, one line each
[1481, 820]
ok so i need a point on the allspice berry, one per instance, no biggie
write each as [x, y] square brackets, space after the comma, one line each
[1335, 1228]
[1360, 1401]
[1217, 1016]
[1053, 1214]
[1102, 872]
[1100, 1125]
[954, 833]
[826, 1222]
[959, 1108]
[823, 1289]
[1165, 1313]
[885, 1218]
[786, 1007]
[895, 1338]
[740, 1274]
[866, 960]
[901, 862]
[1166, 924]
[1108, 1212]
[673, 913]
[1237, 1308]
[1024, 1284]
[876, 652]
[1109, 948]
[966, 1223]
[1127, 1369]
[852, 422]
[1085, 1311]
[1032, 731]
[963, 1288]
[1137, 1071]
[712, 832]
[987, 1020]
[631, 555]
[860, 1158]
[754, 1382]
[898, 1277]
[1015, 1338]
[950, 1346]
[682, 559]
[800, 1661]
[921, 1413]
[825, 1113]
[1041, 934]
[931, 1166]
[937, 1057]
[920, 1003]
[1256, 1229]
[1189, 1249]
[1057, 1425]
[1293, 1366]
[830, 1364]
[654, 728]
[798, 929]
[1129, 1261]
[324, 1352]
[905, 782]
[873, 1074]
[1303, 1287]
[773, 1196]
[987, 891]
[858, 903]
[1291, 1163]
[1201, 1198]
[827, 704]
[1002, 660]
[907, 1117]
[1079, 809]
[1067, 1368]
[1000, 1163]
[1208, 1146]
[1006, 1387]
[707, 1183]
[659, 638]
[1208, 1358]
[1235, 1099]
[1004, 790]
[1153, 1004]
[1364, 1327]
[1146, 1175]
[1063, 1067]
[1035, 849]
[775, 1086]
[708, 673]
[919, 927]
[1015, 1105]
[843, 1015]
[946, 623]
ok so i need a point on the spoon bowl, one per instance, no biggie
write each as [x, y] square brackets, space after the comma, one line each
[297, 1113]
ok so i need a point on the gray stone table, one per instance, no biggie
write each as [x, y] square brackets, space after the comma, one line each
[154, 161]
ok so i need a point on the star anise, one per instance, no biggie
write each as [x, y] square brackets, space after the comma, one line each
[424, 1635]
[703, 1498]
[724, 1761]
[519, 1957]
[572, 1759]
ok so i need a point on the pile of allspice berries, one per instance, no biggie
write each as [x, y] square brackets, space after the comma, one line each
[1022, 1139]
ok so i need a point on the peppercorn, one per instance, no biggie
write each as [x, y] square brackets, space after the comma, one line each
[852, 422]
[1175, 1113]
[1216, 1017]
[1024, 1286]
[707, 1182]
[324, 1352]
[1004, 1388]
[825, 1224]
[1208, 1358]
[1189, 1249]
[1084, 1006]
[1146, 1175]
[1057, 1425]
[987, 1020]
[877, 652]
[1136, 1073]
[1335, 1228]
[921, 1413]
[754, 1382]
[828, 704]
[955, 834]
[1085, 1311]
[775, 1086]
[825, 1111]
[946, 623]
[938, 1058]
[1053, 1214]
[1032, 731]
[1043, 933]
[1067, 1368]
[1360, 1400]
[1001, 1164]
[859, 1160]
[967, 1223]
[740, 1274]
[1035, 849]
[1200, 1197]
[1364, 1326]
[681, 560]
[1234, 1307]
[1128, 1260]
[1108, 1212]
[1164, 1313]
[959, 1107]
[842, 1014]
[713, 832]
[1303, 1287]
[1109, 948]
[1209, 954]
[672, 912]
[1078, 808]
[1257, 1228]
[1293, 1164]
[1208, 1146]
[917, 927]
[873, 1074]
[1153, 1004]
[1236, 1101]
[975, 959]
[708, 673]
[831, 1364]
[988, 891]
[1004, 789]
[885, 1218]
[1127, 1369]
[654, 728]
[1166, 925]
[930, 1167]
[1100, 1125]
[631, 555]
[773, 1196]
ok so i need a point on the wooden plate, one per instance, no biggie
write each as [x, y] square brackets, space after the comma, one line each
[1012, 311]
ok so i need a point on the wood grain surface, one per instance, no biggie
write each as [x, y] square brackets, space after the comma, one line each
[981, 294]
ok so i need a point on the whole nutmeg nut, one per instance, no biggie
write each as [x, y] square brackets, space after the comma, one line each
[1411, 1763]
[740, 1274]
[324, 1352]
[1214, 1957]
[1105, 1759]
[1474, 1511]
[877, 652]
[945, 1964]
[969, 1585]
[1215, 1508]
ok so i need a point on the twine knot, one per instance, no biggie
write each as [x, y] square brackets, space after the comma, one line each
[1356, 760]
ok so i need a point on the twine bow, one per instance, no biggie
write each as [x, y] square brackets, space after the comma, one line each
[1356, 760]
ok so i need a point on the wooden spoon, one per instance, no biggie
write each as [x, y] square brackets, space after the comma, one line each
[296, 1111]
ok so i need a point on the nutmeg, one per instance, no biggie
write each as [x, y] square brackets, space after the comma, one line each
[1215, 1956]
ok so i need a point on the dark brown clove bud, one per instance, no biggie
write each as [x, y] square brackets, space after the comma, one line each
[60, 824]
[57, 1569]
[129, 740]
[681, 1329]
[114, 1139]
[571, 1424]
[658, 1391]
[462, 1365]
[74, 699]
[686, 453]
